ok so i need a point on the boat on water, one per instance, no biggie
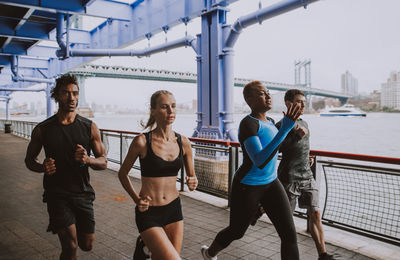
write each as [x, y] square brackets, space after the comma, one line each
[345, 110]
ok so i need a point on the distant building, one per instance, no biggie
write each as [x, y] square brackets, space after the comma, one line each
[390, 91]
[374, 100]
[367, 102]
[349, 84]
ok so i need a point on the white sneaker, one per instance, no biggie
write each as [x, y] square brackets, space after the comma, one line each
[147, 252]
[205, 254]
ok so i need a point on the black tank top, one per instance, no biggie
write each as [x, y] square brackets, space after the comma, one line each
[59, 142]
[153, 166]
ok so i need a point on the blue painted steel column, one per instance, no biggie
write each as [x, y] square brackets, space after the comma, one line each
[49, 108]
[211, 92]
[227, 87]
[199, 88]
[62, 52]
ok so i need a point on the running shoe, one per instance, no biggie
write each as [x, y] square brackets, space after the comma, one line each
[141, 250]
[205, 254]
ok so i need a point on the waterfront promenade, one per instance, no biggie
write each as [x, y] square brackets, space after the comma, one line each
[24, 219]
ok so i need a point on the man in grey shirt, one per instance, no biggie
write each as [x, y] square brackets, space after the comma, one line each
[296, 176]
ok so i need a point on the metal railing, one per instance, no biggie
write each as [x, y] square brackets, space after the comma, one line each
[362, 194]
[358, 193]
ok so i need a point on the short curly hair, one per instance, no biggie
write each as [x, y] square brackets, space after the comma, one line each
[291, 93]
[248, 88]
[62, 81]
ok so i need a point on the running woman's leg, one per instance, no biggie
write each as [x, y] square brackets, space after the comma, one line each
[159, 244]
[244, 203]
[276, 205]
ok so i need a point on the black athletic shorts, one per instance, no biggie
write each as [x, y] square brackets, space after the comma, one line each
[67, 210]
[159, 216]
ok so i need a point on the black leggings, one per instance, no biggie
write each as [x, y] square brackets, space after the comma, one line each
[245, 200]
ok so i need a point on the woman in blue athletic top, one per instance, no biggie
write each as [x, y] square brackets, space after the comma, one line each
[256, 182]
[162, 153]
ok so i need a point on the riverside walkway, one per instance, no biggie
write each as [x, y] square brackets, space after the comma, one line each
[24, 219]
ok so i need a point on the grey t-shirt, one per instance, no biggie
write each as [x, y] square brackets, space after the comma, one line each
[295, 163]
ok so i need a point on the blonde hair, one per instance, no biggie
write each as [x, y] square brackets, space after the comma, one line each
[153, 103]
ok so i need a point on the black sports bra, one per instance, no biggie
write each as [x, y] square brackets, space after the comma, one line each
[153, 166]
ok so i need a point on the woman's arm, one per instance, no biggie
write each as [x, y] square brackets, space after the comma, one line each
[191, 179]
[136, 148]
[259, 155]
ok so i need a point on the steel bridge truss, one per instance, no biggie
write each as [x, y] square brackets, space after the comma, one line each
[25, 24]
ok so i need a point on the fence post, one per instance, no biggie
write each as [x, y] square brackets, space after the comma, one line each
[120, 148]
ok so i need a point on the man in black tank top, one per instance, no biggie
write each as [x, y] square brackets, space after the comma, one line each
[68, 139]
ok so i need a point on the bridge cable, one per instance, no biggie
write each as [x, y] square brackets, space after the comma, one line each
[165, 29]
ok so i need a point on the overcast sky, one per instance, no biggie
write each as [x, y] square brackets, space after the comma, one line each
[361, 36]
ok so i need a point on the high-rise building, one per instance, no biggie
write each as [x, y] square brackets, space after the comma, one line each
[390, 91]
[349, 84]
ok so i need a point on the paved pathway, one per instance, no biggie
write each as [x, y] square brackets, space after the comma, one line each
[24, 219]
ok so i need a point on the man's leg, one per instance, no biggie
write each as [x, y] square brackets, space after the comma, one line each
[62, 222]
[85, 224]
[317, 233]
[69, 244]
[86, 241]
[309, 200]
[292, 192]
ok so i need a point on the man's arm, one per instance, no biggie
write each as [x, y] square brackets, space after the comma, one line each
[33, 150]
[100, 160]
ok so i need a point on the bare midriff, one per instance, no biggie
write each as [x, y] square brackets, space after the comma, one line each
[162, 190]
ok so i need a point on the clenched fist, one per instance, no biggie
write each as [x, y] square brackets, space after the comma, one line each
[49, 166]
[143, 203]
[81, 155]
[191, 182]
[301, 131]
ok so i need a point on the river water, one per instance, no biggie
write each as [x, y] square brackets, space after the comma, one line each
[377, 134]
